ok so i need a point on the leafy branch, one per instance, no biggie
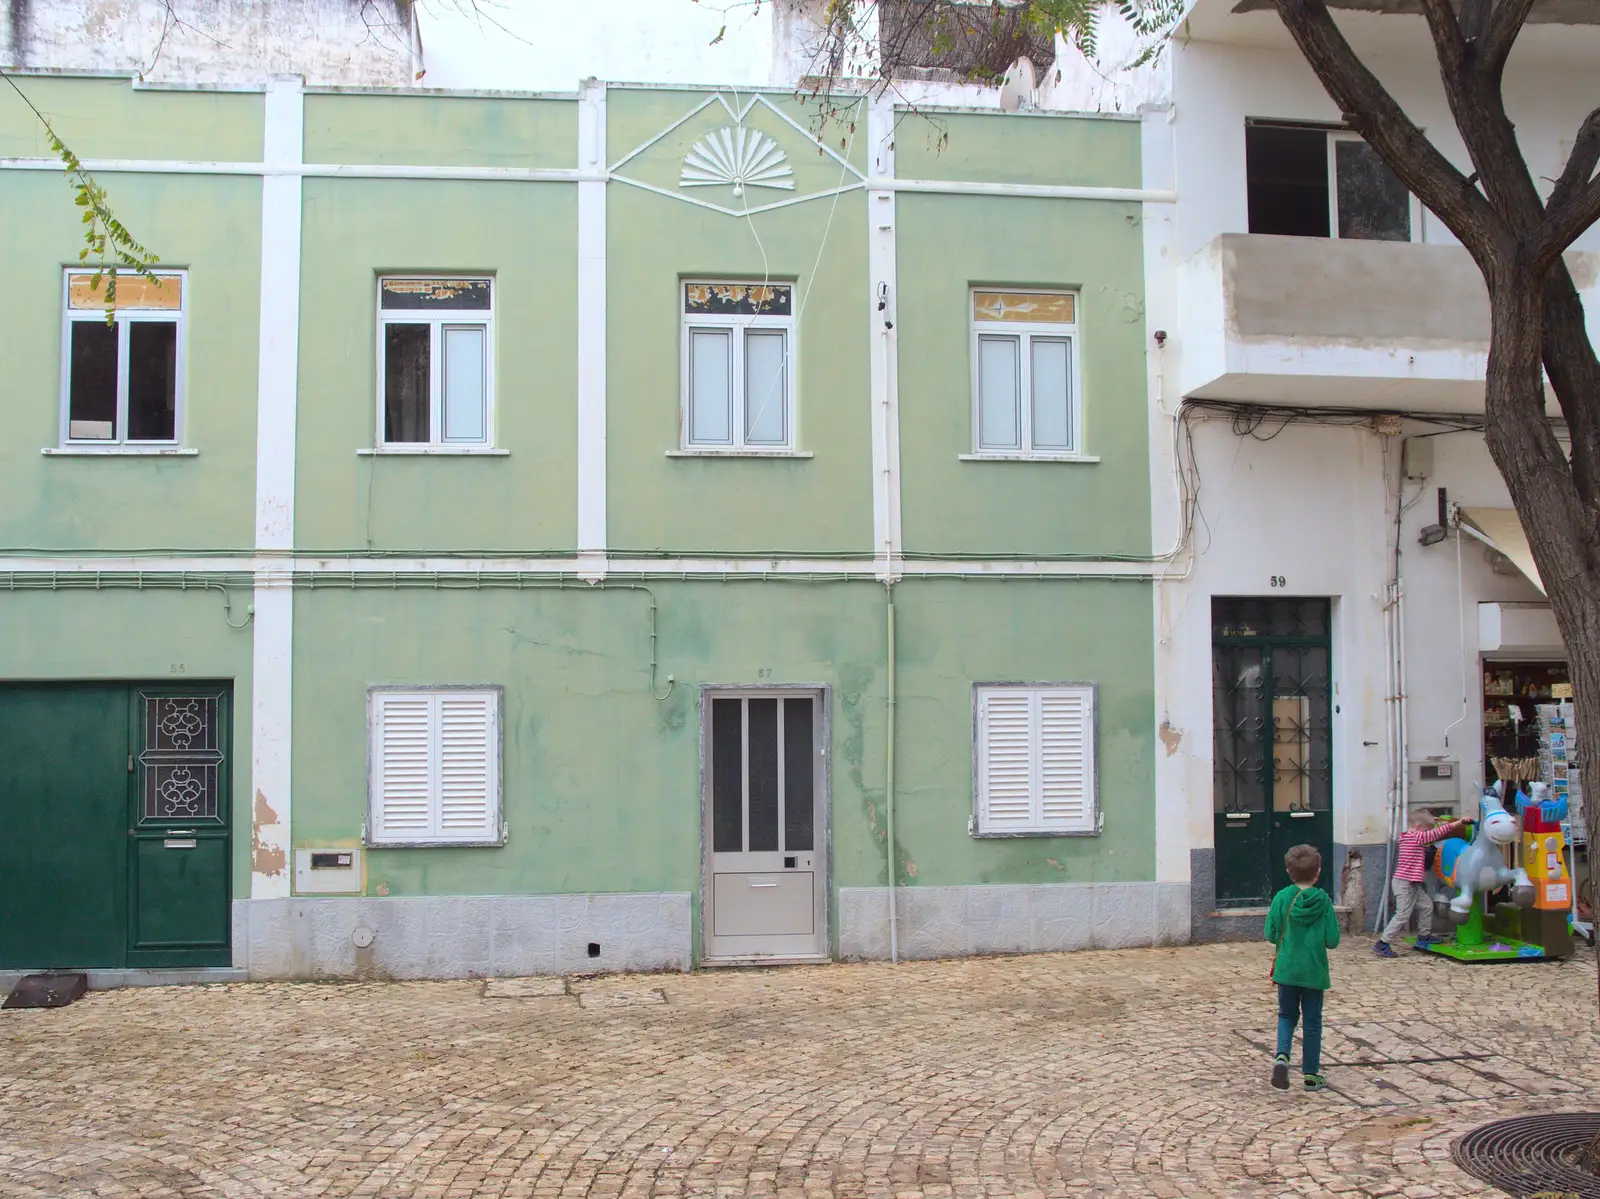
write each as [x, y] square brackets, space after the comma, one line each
[107, 242]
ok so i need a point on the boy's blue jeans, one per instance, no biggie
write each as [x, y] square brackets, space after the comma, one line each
[1293, 1002]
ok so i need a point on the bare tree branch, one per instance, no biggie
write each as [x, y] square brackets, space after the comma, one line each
[1580, 163]
[1376, 115]
[1505, 24]
[1562, 226]
[1448, 37]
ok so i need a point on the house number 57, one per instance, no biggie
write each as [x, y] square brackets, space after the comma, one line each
[1279, 581]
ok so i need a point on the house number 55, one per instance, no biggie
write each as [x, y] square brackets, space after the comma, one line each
[1279, 581]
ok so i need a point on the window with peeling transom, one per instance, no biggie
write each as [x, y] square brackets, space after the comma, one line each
[435, 361]
[738, 367]
[122, 381]
[1025, 374]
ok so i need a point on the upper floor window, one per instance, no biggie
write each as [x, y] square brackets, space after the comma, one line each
[738, 366]
[1307, 181]
[435, 360]
[1025, 373]
[121, 382]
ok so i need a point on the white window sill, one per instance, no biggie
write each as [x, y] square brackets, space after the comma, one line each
[118, 451]
[424, 451]
[739, 454]
[1029, 457]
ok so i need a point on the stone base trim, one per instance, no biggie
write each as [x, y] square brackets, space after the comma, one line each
[943, 922]
[110, 980]
[461, 936]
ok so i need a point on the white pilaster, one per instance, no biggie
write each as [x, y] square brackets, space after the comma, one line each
[881, 323]
[1175, 743]
[592, 331]
[276, 391]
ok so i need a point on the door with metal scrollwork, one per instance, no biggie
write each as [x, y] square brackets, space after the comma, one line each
[178, 909]
[1272, 702]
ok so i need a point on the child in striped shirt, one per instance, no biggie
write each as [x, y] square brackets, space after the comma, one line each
[1410, 893]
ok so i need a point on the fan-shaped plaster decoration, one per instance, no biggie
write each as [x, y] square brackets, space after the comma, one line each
[738, 156]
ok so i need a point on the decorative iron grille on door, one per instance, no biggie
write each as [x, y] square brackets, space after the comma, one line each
[1272, 704]
[180, 757]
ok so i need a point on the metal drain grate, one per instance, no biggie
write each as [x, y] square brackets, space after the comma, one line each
[1532, 1155]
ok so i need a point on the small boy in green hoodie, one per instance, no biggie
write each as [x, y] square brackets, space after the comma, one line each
[1302, 924]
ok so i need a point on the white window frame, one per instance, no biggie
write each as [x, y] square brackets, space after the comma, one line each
[374, 834]
[1335, 136]
[1025, 332]
[438, 322]
[1036, 825]
[124, 319]
[737, 324]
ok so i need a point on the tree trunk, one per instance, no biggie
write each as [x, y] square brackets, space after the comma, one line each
[1562, 529]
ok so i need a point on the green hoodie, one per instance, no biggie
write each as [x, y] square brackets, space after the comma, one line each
[1312, 930]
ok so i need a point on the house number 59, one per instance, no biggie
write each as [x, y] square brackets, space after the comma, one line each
[1279, 581]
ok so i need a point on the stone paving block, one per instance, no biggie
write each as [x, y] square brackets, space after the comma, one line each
[525, 988]
[642, 997]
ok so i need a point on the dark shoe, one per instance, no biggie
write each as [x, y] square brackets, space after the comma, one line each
[1280, 1072]
[1315, 1082]
[1427, 942]
[1382, 949]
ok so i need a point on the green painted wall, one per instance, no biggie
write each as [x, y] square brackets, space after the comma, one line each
[211, 226]
[441, 131]
[948, 244]
[162, 637]
[754, 505]
[524, 234]
[602, 780]
[1018, 148]
[107, 118]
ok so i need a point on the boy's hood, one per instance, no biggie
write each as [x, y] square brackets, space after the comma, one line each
[1309, 906]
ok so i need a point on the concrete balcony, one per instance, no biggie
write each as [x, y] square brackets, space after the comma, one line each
[1354, 324]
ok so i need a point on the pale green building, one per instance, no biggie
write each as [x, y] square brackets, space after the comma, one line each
[610, 530]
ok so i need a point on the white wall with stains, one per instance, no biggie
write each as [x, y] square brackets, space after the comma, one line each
[217, 42]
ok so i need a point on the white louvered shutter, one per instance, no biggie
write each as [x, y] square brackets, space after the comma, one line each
[402, 767]
[1066, 759]
[435, 766]
[468, 766]
[1005, 768]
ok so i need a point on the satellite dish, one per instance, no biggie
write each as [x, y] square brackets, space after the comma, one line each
[1020, 89]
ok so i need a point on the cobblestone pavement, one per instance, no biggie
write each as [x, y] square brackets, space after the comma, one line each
[1137, 1073]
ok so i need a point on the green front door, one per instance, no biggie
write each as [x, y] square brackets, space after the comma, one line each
[178, 834]
[113, 827]
[1272, 689]
[63, 826]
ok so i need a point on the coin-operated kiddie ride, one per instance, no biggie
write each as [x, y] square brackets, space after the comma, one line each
[1533, 926]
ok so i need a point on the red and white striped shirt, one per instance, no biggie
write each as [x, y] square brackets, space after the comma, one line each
[1409, 859]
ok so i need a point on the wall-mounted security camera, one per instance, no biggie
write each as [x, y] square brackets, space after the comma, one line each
[1433, 535]
[1161, 339]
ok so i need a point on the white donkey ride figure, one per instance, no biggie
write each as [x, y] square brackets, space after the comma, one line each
[1480, 867]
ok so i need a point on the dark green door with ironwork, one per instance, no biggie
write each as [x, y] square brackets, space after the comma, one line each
[1272, 721]
[178, 833]
[113, 826]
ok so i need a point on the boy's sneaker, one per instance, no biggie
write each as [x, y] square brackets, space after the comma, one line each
[1382, 949]
[1280, 1072]
[1315, 1082]
[1427, 942]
